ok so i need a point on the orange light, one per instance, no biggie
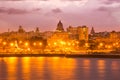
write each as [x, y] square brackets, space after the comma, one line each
[101, 44]
[86, 44]
[34, 44]
[69, 44]
[26, 44]
[20, 42]
[62, 42]
[4, 43]
[55, 43]
[40, 44]
[28, 49]
[11, 44]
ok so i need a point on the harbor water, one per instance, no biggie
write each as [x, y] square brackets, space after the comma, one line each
[59, 68]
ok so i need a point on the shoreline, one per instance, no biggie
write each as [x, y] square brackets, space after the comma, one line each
[114, 56]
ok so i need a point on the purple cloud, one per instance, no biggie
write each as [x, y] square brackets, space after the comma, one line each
[12, 11]
[12, 0]
[111, 1]
[23, 0]
[71, 0]
[102, 9]
[37, 9]
[57, 10]
[16, 11]
[114, 0]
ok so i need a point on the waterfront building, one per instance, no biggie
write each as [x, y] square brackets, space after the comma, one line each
[78, 33]
[58, 38]
[21, 30]
[60, 27]
[47, 34]
[37, 30]
[74, 39]
[20, 39]
[92, 31]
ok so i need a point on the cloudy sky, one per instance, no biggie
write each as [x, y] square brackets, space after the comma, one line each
[103, 15]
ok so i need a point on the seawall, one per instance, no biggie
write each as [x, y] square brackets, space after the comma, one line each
[64, 55]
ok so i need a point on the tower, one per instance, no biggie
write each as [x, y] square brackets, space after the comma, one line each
[21, 30]
[92, 31]
[37, 30]
[60, 27]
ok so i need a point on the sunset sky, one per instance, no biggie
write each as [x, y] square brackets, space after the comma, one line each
[103, 15]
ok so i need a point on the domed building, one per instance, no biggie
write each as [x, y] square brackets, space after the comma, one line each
[60, 27]
[21, 30]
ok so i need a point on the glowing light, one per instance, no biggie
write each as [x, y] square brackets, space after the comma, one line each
[48, 44]
[28, 49]
[117, 43]
[34, 44]
[26, 44]
[108, 46]
[86, 44]
[20, 42]
[77, 42]
[11, 44]
[69, 44]
[101, 44]
[62, 42]
[40, 44]
[4, 43]
[55, 43]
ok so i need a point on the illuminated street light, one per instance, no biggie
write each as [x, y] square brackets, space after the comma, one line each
[20, 42]
[55, 43]
[117, 43]
[62, 42]
[34, 44]
[69, 43]
[28, 49]
[4, 43]
[26, 44]
[11, 44]
[77, 42]
[40, 44]
[48, 44]
[109, 47]
[101, 44]
[86, 44]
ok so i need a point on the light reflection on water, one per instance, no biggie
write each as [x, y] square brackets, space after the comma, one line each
[56, 68]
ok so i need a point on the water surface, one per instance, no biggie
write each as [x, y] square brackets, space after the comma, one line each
[59, 68]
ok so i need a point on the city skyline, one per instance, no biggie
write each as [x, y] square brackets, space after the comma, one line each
[103, 15]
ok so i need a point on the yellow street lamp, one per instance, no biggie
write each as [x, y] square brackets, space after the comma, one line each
[77, 42]
[101, 44]
[117, 43]
[55, 43]
[69, 43]
[4, 43]
[62, 42]
[20, 42]
[86, 45]
[28, 49]
[11, 44]
[34, 44]
[26, 44]
[40, 44]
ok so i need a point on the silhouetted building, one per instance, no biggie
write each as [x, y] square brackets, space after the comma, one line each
[60, 27]
[37, 30]
[21, 30]
[92, 31]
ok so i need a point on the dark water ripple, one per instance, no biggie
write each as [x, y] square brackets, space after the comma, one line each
[55, 68]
